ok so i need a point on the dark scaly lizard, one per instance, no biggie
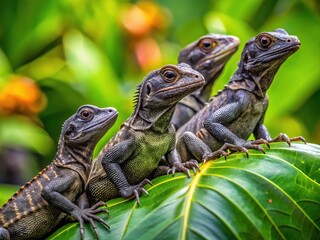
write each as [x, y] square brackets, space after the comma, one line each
[239, 109]
[207, 55]
[42, 203]
[122, 167]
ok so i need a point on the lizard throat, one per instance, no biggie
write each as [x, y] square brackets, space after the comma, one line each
[159, 120]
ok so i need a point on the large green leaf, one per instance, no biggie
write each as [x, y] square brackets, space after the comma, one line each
[271, 196]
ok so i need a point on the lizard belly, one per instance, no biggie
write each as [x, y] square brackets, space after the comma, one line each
[102, 188]
[246, 123]
[150, 151]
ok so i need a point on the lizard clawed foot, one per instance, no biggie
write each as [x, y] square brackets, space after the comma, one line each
[223, 151]
[135, 190]
[88, 215]
[214, 155]
[256, 145]
[192, 164]
[282, 137]
[184, 167]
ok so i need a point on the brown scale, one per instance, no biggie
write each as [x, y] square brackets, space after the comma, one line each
[24, 192]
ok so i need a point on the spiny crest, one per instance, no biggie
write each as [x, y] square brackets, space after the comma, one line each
[66, 122]
[138, 94]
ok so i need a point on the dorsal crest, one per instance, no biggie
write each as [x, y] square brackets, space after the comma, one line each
[138, 96]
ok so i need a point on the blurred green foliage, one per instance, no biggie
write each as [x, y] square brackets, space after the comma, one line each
[82, 52]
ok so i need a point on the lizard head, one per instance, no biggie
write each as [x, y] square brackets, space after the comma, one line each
[168, 85]
[269, 48]
[209, 54]
[88, 125]
[161, 90]
[262, 57]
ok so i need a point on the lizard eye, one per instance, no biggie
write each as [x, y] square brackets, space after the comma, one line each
[169, 75]
[264, 41]
[85, 114]
[207, 45]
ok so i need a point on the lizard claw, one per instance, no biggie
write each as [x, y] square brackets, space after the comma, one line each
[256, 145]
[178, 166]
[282, 137]
[88, 215]
[184, 167]
[223, 151]
[192, 164]
[261, 141]
[135, 190]
[214, 155]
[95, 208]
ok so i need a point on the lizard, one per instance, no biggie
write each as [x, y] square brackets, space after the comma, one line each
[123, 165]
[38, 206]
[208, 55]
[237, 111]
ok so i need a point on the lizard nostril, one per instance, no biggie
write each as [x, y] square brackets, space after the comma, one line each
[288, 40]
[196, 76]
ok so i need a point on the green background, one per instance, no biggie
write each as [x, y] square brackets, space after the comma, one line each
[80, 52]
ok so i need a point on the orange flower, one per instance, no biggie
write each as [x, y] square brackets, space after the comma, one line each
[21, 95]
[140, 19]
[148, 54]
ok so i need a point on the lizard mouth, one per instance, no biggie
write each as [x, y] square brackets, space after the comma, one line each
[170, 90]
[220, 57]
[102, 123]
[281, 52]
[287, 49]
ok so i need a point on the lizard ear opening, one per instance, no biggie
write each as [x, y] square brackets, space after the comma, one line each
[70, 131]
[148, 89]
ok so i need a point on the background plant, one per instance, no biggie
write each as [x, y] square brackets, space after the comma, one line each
[58, 54]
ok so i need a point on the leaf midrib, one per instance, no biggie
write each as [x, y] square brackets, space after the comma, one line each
[189, 197]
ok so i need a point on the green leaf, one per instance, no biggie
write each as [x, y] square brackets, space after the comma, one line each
[19, 131]
[92, 69]
[5, 67]
[267, 196]
[6, 191]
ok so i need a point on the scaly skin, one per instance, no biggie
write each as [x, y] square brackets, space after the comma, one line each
[134, 152]
[43, 202]
[208, 55]
[239, 109]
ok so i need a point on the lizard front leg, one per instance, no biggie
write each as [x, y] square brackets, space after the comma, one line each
[191, 145]
[232, 141]
[214, 124]
[111, 164]
[52, 194]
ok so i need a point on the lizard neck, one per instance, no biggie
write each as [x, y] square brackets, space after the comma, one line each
[149, 120]
[67, 154]
[205, 92]
[164, 121]
[256, 80]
